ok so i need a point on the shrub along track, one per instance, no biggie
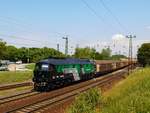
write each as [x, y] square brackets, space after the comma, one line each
[44, 101]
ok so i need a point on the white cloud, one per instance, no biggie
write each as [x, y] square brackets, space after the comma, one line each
[118, 37]
[120, 40]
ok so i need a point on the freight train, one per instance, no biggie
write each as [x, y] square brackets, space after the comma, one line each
[56, 72]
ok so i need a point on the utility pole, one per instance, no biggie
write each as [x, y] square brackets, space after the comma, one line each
[58, 47]
[28, 59]
[130, 37]
[66, 45]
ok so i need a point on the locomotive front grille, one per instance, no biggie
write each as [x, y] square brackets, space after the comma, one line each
[41, 76]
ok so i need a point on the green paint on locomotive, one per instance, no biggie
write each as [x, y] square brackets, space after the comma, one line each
[88, 68]
[85, 68]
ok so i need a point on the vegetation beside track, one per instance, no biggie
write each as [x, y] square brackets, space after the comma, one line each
[30, 66]
[131, 95]
[86, 102]
[7, 77]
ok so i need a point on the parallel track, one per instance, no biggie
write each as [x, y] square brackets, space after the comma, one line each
[17, 96]
[15, 85]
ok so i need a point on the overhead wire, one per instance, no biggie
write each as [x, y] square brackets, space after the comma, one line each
[22, 38]
[113, 15]
[25, 45]
[109, 26]
[17, 24]
[20, 44]
[25, 27]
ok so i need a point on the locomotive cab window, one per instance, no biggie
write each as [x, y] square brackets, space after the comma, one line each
[44, 66]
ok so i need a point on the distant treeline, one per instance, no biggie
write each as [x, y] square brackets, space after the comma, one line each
[25, 54]
[91, 53]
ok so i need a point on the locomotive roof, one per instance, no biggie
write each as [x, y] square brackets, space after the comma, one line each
[54, 61]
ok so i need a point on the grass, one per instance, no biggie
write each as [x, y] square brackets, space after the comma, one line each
[131, 95]
[18, 76]
[30, 66]
[86, 102]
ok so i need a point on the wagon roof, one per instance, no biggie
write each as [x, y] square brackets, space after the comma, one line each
[106, 61]
[54, 61]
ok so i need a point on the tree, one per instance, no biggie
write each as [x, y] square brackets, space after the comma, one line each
[117, 57]
[106, 53]
[36, 54]
[2, 49]
[85, 53]
[91, 53]
[11, 53]
[23, 54]
[98, 56]
[144, 54]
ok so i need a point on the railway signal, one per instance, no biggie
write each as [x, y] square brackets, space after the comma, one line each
[66, 45]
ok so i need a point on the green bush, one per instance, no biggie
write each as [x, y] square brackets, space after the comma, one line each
[144, 54]
[86, 102]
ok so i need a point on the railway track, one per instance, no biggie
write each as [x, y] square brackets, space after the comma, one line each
[15, 85]
[62, 98]
[17, 96]
[36, 103]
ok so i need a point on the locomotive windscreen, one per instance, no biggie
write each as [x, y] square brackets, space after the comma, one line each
[40, 66]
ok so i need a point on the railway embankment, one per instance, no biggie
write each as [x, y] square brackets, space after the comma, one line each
[129, 95]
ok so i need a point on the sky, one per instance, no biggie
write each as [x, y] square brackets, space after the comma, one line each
[93, 23]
